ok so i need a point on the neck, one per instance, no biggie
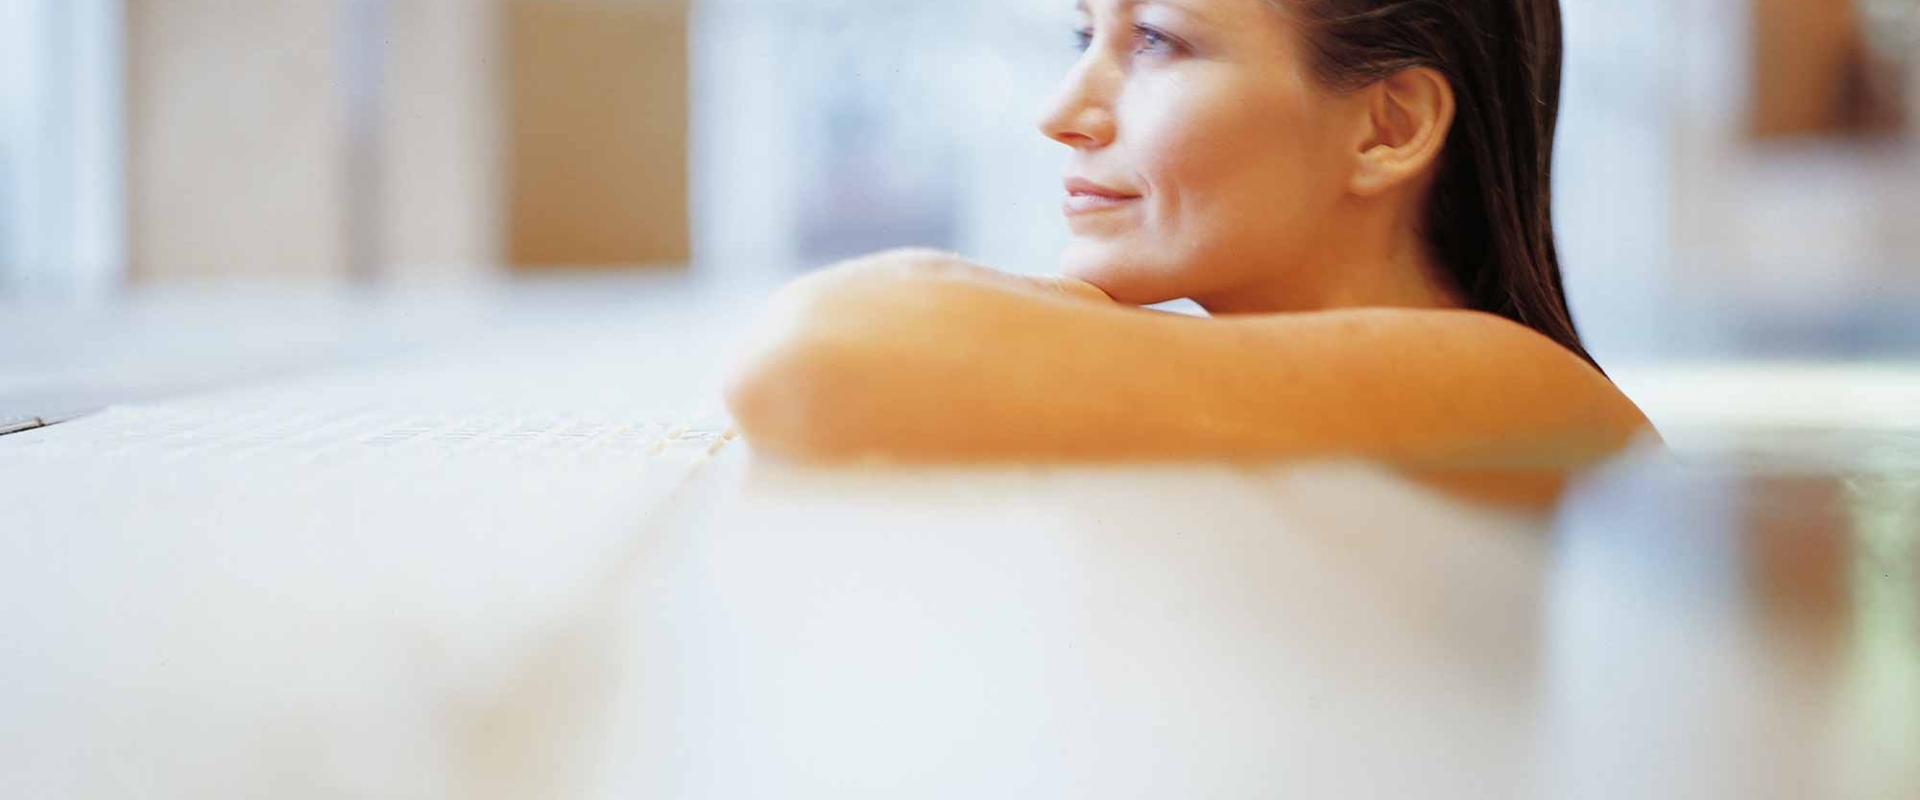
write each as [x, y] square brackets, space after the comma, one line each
[1384, 265]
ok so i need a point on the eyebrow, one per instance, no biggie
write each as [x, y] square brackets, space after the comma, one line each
[1179, 6]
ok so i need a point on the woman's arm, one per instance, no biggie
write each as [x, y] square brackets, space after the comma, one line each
[919, 357]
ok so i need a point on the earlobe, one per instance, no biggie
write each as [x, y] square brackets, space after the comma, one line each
[1377, 171]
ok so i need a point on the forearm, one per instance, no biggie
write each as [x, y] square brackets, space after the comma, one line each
[909, 361]
[926, 368]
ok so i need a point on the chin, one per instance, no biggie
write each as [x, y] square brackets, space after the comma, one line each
[1129, 281]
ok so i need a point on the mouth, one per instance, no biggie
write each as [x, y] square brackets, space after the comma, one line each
[1087, 197]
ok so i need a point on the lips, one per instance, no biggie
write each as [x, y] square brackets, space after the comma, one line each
[1087, 197]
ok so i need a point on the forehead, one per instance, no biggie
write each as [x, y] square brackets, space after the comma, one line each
[1220, 12]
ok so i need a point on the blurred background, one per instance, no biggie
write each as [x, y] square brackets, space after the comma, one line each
[1736, 177]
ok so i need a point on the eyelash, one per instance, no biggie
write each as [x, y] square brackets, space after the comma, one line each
[1149, 37]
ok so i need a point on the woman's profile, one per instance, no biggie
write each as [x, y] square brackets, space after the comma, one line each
[1356, 191]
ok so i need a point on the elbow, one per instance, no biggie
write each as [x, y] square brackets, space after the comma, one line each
[791, 383]
[777, 394]
[814, 381]
[752, 396]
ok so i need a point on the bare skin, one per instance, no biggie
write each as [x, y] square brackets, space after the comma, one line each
[1205, 164]
[921, 357]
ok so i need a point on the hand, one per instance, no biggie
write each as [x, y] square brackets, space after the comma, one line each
[1074, 287]
[922, 264]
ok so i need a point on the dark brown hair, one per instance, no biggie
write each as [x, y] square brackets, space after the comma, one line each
[1490, 218]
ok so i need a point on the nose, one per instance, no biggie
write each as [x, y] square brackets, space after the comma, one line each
[1081, 114]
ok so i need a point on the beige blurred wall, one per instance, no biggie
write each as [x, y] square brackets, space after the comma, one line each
[1814, 73]
[441, 150]
[1806, 218]
[516, 132]
[597, 172]
[235, 140]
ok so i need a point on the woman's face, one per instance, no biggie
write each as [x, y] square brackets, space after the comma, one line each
[1205, 155]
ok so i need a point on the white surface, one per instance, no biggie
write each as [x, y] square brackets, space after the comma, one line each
[524, 564]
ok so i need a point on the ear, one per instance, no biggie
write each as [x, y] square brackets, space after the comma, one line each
[1408, 117]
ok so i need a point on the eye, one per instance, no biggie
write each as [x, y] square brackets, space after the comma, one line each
[1148, 39]
[1083, 39]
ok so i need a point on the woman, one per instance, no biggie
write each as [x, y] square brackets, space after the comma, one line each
[1355, 190]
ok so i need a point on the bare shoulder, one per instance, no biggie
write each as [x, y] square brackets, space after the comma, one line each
[1477, 357]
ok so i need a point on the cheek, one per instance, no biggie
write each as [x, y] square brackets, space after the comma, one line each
[1234, 172]
[1230, 173]
[1180, 143]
